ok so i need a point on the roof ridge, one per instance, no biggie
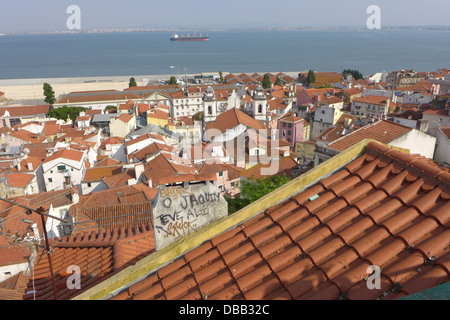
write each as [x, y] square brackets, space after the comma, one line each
[418, 164]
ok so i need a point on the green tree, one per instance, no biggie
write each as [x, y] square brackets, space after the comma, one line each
[311, 78]
[222, 79]
[278, 82]
[254, 190]
[173, 80]
[49, 94]
[199, 116]
[110, 108]
[65, 112]
[132, 83]
[354, 73]
[266, 83]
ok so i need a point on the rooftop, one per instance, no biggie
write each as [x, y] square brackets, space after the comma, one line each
[233, 118]
[384, 208]
[382, 131]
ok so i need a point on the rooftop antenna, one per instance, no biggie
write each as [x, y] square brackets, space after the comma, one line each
[40, 211]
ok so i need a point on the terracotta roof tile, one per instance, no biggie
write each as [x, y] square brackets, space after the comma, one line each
[66, 154]
[321, 247]
[19, 180]
[382, 131]
[233, 118]
[99, 256]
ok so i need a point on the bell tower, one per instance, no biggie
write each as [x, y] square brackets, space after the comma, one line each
[209, 105]
[259, 104]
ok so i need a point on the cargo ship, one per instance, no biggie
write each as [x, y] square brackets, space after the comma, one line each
[177, 37]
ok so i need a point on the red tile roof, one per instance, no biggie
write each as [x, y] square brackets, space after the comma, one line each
[125, 117]
[385, 208]
[66, 154]
[21, 111]
[233, 118]
[151, 150]
[112, 197]
[290, 117]
[99, 98]
[382, 131]
[119, 179]
[28, 136]
[445, 131]
[98, 173]
[107, 162]
[163, 167]
[14, 287]
[283, 166]
[98, 256]
[372, 100]
[19, 180]
[143, 138]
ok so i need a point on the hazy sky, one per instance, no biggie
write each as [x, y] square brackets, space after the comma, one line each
[50, 15]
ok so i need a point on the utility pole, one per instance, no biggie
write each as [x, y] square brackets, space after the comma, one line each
[41, 211]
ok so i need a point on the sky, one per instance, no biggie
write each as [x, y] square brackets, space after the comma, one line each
[51, 15]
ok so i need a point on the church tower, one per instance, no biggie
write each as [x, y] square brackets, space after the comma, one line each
[209, 105]
[259, 104]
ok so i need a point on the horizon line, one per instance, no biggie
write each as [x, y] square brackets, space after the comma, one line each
[211, 28]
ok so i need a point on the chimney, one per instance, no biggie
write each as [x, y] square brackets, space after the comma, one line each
[30, 166]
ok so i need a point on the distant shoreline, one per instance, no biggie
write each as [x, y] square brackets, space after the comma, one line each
[132, 30]
[111, 79]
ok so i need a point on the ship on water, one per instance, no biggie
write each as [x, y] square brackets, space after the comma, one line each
[178, 37]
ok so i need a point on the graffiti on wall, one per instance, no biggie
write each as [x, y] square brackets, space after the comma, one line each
[180, 211]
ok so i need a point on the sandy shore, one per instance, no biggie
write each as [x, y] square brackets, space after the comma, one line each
[28, 89]
[32, 89]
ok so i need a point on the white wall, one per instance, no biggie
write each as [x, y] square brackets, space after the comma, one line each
[7, 272]
[75, 171]
[95, 186]
[52, 225]
[442, 153]
[416, 142]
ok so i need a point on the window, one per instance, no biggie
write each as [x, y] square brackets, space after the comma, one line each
[89, 184]
[284, 124]
[260, 108]
[290, 125]
[288, 139]
[221, 174]
[289, 133]
[61, 168]
[50, 180]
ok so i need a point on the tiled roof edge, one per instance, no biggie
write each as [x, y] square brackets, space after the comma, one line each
[417, 164]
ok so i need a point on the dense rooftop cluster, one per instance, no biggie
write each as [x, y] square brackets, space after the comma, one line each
[367, 160]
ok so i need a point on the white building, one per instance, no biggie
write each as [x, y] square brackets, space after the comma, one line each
[371, 106]
[64, 169]
[327, 113]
